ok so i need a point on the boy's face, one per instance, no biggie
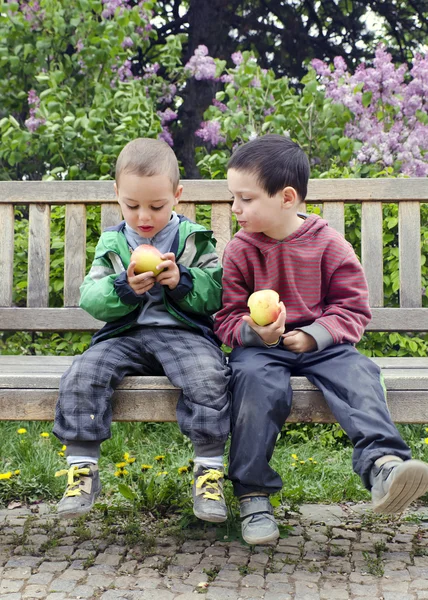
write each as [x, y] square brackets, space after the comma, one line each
[257, 212]
[146, 202]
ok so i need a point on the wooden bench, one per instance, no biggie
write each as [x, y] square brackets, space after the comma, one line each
[29, 384]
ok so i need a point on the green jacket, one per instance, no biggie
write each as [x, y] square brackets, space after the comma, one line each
[106, 295]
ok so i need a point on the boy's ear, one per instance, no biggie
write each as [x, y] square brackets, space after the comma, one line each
[290, 197]
[177, 194]
[116, 191]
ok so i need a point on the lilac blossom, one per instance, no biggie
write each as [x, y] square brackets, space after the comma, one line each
[222, 107]
[201, 65]
[166, 136]
[33, 122]
[210, 132]
[110, 7]
[386, 109]
[237, 58]
[168, 91]
[127, 43]
[32, 13]
[167, 115]
[150, 70]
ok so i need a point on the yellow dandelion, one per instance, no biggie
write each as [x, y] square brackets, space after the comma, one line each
[294, 456]
[192, 482]
[118, 473]
[21, 430]
[426, 428]
[293, 464]
[126, 456]
[125, 472]
[161, 473]
[120, 465]
[302, 462]
[64, 448]
[160, 457]
[146, 467]
[311, 458]
[60, 453]
[315, 462]
[426, 440]
[7, 475]
[131, 460]
[182, 470]
[17, 472]
[44, 434]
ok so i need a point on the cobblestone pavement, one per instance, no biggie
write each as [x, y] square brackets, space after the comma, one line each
[331, 553]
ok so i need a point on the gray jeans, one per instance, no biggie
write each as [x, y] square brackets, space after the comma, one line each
[190, 361]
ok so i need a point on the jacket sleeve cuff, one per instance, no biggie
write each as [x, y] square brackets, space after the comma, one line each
[320, 334]
[250, 338]
[125, 291]
[185, 285]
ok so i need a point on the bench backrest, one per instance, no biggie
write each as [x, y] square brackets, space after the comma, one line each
[331, 194]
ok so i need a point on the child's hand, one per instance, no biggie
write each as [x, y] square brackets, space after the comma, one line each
[140, 283]
[299, 341]
[270, 334]
[171, 275]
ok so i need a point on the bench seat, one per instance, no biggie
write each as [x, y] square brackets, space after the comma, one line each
[29, 390]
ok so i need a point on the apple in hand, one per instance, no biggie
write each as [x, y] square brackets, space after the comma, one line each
[264, 307]
[146, 258]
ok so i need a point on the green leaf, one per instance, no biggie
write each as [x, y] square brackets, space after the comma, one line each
[126, 492]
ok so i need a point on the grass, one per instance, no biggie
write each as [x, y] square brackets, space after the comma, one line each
[314, 462]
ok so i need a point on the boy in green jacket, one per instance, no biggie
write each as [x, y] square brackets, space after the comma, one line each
[155, 325]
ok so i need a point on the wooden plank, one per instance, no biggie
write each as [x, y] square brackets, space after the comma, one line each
[6, 253]
[38, 255]
[187, 209]
[221, 224]
[159, 406]
[205, 191]
[76, 319]
[409, 247]
[75, 252]
[372, 250]
[47, 319]
[334, 213]
[110, 215]
[18, 378]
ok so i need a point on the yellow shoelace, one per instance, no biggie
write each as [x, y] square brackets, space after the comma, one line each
[211, 476]
[73, 479]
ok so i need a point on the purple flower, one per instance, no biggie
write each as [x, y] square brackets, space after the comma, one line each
[110, 7]
[201, 65]
[222, 107]
[237, 58]
[210, 132]
[167, 116]
[33, 122]
[32, 13]
[166, 136]
[127, 43]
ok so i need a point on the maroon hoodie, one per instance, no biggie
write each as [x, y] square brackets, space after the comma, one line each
[316, 274]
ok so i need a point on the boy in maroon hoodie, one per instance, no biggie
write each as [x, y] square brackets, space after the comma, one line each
[324, 311]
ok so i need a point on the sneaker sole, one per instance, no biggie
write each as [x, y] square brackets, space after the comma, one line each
[260, 541]
[78, 513]
[408, 484]
[210, 518]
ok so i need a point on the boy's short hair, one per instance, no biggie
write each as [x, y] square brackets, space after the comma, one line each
[276, 161]
[147, 157]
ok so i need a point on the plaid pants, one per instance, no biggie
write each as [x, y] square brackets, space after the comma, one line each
[189, 360]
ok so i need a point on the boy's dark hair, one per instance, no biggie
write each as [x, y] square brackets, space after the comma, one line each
[147, 157]
[276, 161]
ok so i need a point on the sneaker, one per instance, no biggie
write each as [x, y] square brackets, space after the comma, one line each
[396, 483]
[208, 497]
[83, 488]
[258, 523]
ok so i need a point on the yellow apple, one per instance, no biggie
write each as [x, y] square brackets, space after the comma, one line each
[146, 258]
[264, 307]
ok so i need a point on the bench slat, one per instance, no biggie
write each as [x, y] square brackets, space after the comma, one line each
[409, 237]
[76, 319]
[395, 379]
[187, 209]
[221, 224]
[110, 215]
[75, 252]
[406, 406]
[372, 250]
[38, 255]
[334, 213]
[6, 253]
[204, 191]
